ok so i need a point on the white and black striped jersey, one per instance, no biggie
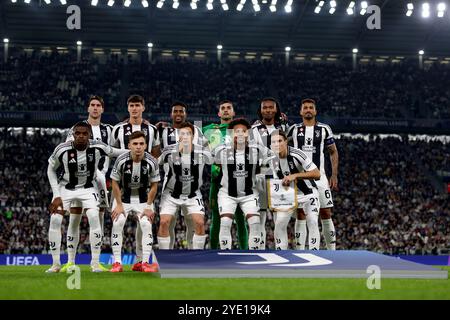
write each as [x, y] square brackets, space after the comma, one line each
[295, 162]
[261, 132]
[135, 178]
[184, 172]
[102, 133]
[123, 130]
[169, 136]
[239, 167]
[79, 167]
[312, 141]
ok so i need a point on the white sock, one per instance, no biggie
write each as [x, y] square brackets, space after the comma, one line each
[172, 226]
[254, 232]
[281, 237]
[95, 234]
[199, 242]
[225, 233]
[117, 237]
[138, 243]
[329, 233]
[262, 219]
[147, 238]
[313, 231]
[300, 234]
[164, 243]
[54, 238]
[190, 231]
[73, 236]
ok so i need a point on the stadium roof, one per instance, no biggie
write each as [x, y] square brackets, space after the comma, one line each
[184, 28]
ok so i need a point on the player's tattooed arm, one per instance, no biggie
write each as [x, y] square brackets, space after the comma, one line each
[334, 157]
[307, 175]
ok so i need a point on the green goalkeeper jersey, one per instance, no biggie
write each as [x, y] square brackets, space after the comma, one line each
[216, 135]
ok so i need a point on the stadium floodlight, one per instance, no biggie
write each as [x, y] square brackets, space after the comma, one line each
[209, 5]
[27, 1]
[240, 5]
[127, 3]
[364, 6]
[150, 45]
[13, 1]
[288, 6]
[110, 3]
[256, 6]
[410, 7]
[160, 4]
[47, 1]
[421, 52]
[287, 49]
[319, 7]
[219, 47]
[94, 2]
[79, 43]
[441, 9]
[350, 9]
[175, 4]
[425, 10]
[63, 2]
[144, 3]
[194, 4]
[225, 6]
[355, 50]
[273, 6]
[332, 6]
[6, 40]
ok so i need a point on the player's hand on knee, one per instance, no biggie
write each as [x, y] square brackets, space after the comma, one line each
[118, 210]
[149, 214]
[56, 203]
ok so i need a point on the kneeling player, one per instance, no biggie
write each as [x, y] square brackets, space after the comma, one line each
[182, 182]
[79, 160]
[239, 161]
[135, 179]
[291, 165]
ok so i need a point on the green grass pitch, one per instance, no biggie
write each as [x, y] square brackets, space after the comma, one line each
[30, 282]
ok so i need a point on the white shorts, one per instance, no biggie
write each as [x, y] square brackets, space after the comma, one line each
[248, 204]
[170, 205]
[133, 208]
[102, 193]
[85, 198]
[325, 197]
[309, 203]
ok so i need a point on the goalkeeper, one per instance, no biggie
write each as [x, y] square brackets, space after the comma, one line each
[216, 133]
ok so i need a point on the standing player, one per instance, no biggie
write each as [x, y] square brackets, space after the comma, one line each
[99, 132]
[313, 137]
[135, 179]
[270, 119]
[182, 183]
[294, 165]
[120, 138]
[79, 159]
[239, 161]
[216, 133]
[169, 136]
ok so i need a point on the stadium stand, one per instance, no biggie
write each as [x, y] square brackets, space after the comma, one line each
[389, 90]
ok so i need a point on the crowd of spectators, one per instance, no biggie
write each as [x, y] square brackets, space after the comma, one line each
[56, 81]
[385, 203]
